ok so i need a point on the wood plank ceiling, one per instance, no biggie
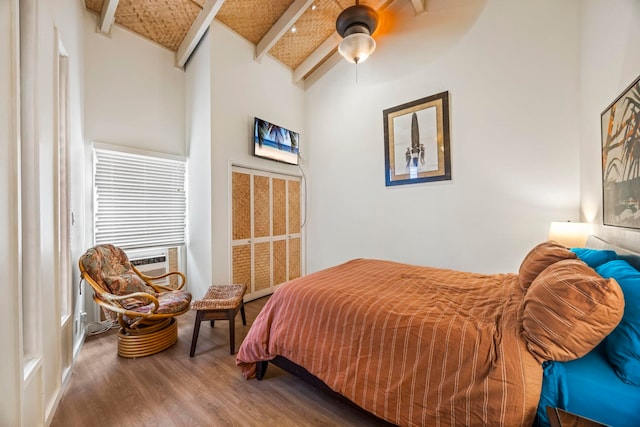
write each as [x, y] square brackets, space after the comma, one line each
[268, 24]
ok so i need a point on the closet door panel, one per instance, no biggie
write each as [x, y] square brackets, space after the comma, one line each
[279, 261]
[294, 206]
[261, 206]
[242, 265]
[279, 207]
[262, 266]
[241, 206]
[294, 258]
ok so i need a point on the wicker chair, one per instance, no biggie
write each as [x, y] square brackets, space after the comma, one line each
[145, 310]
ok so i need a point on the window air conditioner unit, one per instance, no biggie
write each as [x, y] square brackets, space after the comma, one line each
[152, 262]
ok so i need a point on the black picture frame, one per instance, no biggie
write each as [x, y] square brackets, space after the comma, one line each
[620, 131]
[416, 141]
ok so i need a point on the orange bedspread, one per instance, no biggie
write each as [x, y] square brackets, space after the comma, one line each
[413, 345]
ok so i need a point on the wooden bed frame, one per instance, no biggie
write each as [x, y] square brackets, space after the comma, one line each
[300, 372]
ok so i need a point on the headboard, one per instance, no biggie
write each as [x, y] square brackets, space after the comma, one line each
[594, 242]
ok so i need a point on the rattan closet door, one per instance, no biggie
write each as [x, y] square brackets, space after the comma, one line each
[294, 229]
[241, 228]
[266, 232]
[279, 230]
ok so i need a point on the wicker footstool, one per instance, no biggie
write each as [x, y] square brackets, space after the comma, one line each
[221, 302]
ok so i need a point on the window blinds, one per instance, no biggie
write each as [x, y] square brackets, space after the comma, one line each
[140, 200]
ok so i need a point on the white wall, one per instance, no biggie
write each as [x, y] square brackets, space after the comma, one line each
[609, 62]
[134, 95]
[38, 345]
[71, 32]
[10, 357]
[67, 25]
[198, 137]
[510, 69]
[242, 88]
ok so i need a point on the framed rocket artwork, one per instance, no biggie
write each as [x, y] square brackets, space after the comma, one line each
[416, 141]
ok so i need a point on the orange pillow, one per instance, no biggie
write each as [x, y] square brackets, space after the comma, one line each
[568, 310]
[539, 258]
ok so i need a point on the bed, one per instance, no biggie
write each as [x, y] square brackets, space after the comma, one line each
[425, 346]
[593, 385]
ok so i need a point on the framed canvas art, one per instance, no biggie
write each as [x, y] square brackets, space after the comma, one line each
[274, 142]
[621, 159]
[416, 141]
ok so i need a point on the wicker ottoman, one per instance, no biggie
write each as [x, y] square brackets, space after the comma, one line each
[221, 302]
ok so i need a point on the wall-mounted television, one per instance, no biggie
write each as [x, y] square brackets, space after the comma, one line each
[274, 142]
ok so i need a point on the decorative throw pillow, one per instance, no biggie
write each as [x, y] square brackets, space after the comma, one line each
[125, 283]
[128, 283]
[568, 310]
[622, 346]
[539, 258]
[594, 257]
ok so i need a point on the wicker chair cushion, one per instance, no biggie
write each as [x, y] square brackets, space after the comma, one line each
[170, 302]
[109, 266]
[127, 283]
[221, 297]
[104, 263]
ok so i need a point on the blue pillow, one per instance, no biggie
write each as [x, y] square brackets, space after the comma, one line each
[594, 257]
[633, 260]
[622, 346]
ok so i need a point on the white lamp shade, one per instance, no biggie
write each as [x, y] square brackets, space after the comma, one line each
[570, 234]
[357, 47]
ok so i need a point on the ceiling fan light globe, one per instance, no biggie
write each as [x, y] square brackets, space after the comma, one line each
[357, 47]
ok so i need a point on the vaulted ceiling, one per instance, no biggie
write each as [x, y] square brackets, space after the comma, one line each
[301, 34]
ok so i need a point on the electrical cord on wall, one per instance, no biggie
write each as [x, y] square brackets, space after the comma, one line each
[95, 328]
[304, 179]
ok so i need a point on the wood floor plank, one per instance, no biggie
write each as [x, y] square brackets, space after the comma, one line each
[171, 389]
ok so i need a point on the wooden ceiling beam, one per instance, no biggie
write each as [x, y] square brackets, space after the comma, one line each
[288, 18]
[418, 5]
[322, 69]
[197, 30]
[317, 56]
[108, 15]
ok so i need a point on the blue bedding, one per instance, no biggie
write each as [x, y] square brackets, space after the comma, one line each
[589, 387]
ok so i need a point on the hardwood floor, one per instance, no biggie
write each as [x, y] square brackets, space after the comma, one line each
[172, 389]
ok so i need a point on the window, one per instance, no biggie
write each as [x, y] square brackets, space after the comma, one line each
[62, 210]
[139, 199]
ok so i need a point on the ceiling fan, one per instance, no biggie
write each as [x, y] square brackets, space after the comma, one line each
[355, 25]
